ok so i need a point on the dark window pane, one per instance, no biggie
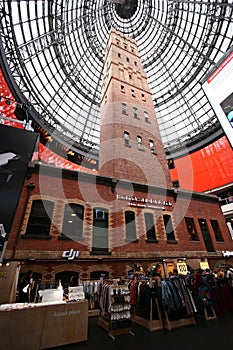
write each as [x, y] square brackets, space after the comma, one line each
[206, 235]
[100, 231]
[193, 236]
[216, 229]
[130, 226]
[150, 228]
[73, 221]
[40, 218]
[169, 227]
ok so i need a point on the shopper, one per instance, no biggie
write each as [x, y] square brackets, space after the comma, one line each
[26, 288]
[73, 281]
[229, 276]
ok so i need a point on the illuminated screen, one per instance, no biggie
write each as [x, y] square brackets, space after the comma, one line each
[218, 87]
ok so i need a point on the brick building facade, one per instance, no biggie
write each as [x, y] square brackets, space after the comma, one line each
[49, 249]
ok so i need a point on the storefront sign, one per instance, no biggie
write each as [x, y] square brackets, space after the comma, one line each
[204, 265]
[227, 253]
[142, 202]
[70, 254]
[182, 268]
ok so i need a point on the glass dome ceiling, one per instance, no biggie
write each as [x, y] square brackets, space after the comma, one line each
[52, 55]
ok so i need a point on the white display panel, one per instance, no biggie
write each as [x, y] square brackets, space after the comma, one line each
[218, 87]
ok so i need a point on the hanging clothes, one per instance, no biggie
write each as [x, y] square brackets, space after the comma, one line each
[176, 299]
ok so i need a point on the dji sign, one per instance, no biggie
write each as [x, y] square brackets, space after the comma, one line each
[70, 254]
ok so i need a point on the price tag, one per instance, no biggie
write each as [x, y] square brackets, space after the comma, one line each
[204, 265]
[182, 268]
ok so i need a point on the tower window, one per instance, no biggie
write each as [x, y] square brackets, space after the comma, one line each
[119, 55]
[146, 117]
[122, 88]
[139, 142]
[143, 97]
[133, 93]
[124, 108]
[152, 147]
[127, 59]
[126, 138]
[135, 112]
[135, 63]
[130, 76]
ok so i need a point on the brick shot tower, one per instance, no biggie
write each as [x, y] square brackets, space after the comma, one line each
[130, 142]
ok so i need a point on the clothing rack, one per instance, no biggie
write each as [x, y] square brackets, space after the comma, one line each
[183, 298]
[151, 322]
[117, 320]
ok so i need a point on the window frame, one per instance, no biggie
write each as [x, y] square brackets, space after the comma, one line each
[150, 227]
[80, 220]
[124, 108]
[126, 138]
[170, 235]
[139, 143]
[192, 229]
[217, 233]
[130, 226]
[36, 221]
[100, 231]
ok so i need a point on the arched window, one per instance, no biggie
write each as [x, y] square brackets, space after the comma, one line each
[40, 218]
[100, 231]
[139, 139]
[73, 221]
[126, 138]
[65, 277]
[152, 147]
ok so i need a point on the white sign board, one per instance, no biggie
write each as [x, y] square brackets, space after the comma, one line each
[182, 268]
[218, 88]
[76, 293]
[204, 265]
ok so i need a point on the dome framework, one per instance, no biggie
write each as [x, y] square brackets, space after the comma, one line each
[52, 55]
